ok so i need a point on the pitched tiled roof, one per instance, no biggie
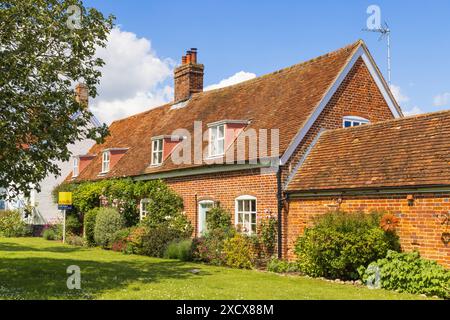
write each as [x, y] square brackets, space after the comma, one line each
[281, 100]
[413, 151]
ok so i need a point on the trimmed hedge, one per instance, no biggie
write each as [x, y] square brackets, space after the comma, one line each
[107, 222]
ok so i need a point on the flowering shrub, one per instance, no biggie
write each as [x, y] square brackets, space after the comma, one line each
[52, 231]
[268, 235]
[239, 252]
[209, 248]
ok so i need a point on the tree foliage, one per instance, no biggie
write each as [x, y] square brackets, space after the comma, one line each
[43, 53]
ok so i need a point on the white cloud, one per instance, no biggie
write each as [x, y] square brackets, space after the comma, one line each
[398, 94]
[132, 79]
[442, 99]
[412, 112]
[234, 79]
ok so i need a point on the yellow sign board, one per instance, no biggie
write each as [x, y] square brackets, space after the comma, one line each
[65, 199]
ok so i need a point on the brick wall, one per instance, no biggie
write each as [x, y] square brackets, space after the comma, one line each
[225, 188]
[421, 224]
[358, 95]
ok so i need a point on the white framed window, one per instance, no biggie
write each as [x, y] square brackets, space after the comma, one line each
[76, 167]
[217, 140]
[157, 152]
[245, 214]
[353, 121]
[106, 159]
[143, 208]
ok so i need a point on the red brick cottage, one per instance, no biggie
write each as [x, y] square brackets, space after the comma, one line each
[189, 143]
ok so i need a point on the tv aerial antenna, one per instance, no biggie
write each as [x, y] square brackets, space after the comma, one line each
[385, 33]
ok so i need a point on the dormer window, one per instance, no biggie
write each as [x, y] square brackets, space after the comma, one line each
[157, 152]
[216, 140]
[106, 160]
[76, 167]
[353, 121]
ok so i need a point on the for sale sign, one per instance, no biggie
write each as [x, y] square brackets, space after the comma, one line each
[65, 201]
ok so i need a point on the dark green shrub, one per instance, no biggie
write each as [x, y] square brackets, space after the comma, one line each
[181, 250]
[209, 248]
[12, 225]
[408, 272]
[89, 226]
[155, 243]
[74, 240]
[108, 221]
[239, 252]
[218, 218]
[73, 225]
[282, 266]
[339, 243]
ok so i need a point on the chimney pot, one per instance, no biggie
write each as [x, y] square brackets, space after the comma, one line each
[82, 94]
[188, 57]
[183, 60]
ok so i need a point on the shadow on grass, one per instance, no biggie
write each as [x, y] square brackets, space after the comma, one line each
[46, 278]
[11, 246]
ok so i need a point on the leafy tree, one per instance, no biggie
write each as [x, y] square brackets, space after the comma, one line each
[46, 46]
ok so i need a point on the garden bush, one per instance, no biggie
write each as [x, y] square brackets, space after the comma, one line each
[181, 250]
[89, 226]
[12, 225]
[155, 242]
[218, 218]
[282, 266]
[339, 243]
[75, 240]
[52, 232]
[239, 252]
[408, 272]
[108, 221]
[120, 241]
[209, 248]
[73, 225]
[268, 237]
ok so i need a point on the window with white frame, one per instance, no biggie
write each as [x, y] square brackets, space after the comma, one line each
[157, 152]
[217, 140]
[352, 121]
[245, 214]
[106, 159]
[143, 208]
[76, 167]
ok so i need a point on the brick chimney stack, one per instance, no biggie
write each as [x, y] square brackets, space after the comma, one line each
[82, 94]
[188, 77]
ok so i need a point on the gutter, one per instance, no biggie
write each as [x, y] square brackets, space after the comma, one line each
[367, 191]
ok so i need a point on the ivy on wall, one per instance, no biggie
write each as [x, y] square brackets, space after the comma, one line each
[125, 194]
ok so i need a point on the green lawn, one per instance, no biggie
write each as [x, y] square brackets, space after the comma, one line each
[33, 268]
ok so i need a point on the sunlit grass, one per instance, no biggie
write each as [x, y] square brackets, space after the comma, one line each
[33, 268]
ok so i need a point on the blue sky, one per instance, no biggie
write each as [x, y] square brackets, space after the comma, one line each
[258, 37]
